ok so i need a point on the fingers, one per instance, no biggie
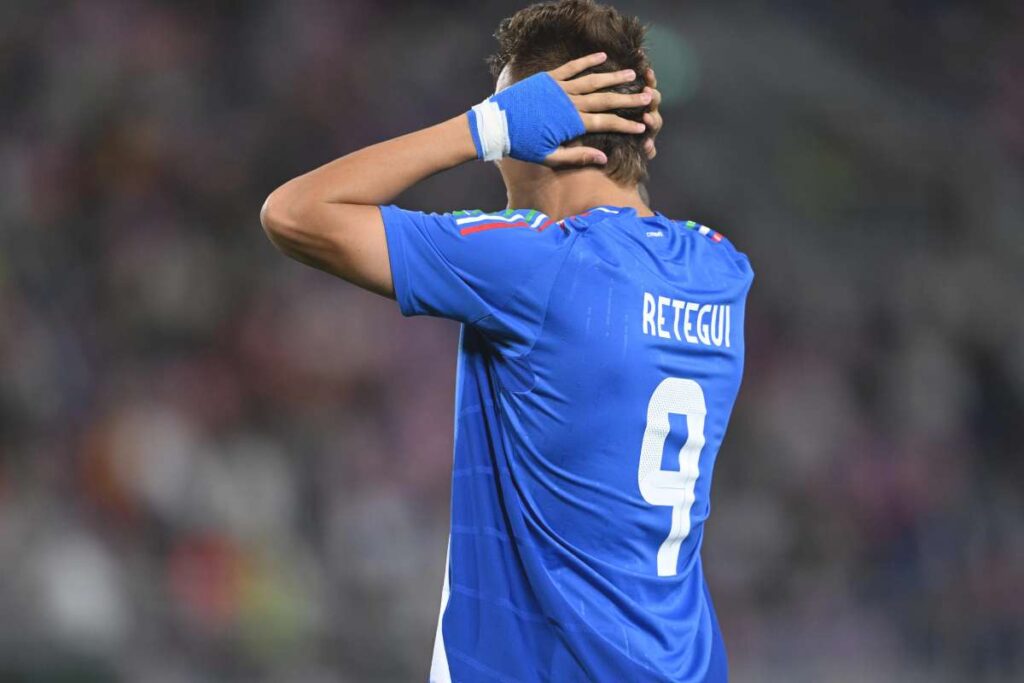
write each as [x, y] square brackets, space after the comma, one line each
[576, 156]
[593, 107]
[649, 149]
[653, 121]
[607, 101]
[652, 118]
[651, 79]
[594, 82]
[570, 69]
[610, 123]
[655, 96]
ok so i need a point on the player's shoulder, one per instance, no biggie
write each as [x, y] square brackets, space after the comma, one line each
[520, 221]
[508, 232]
[495, 233]
[716, 246]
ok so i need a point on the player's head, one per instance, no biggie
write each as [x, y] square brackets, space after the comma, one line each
[548, 34]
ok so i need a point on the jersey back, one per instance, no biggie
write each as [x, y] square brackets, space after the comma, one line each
[599, 361]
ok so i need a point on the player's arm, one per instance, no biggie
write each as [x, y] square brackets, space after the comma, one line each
[329, 218]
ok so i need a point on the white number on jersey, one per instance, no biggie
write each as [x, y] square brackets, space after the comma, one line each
[672, 488]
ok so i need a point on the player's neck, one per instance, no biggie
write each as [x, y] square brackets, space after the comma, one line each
[571, 192]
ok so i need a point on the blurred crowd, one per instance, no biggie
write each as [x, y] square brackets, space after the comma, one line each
[218, 465]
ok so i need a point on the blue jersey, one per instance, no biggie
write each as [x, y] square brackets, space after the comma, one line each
[600, 358]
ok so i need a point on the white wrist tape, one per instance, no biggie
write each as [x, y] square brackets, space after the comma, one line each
[492, 130]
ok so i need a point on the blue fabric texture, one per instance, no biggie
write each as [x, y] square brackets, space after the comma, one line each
[471, 115]
[570, 327]
[540, 117]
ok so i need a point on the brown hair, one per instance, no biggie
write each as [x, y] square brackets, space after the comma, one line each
[548, 34]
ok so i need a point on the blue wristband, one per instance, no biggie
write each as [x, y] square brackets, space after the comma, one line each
[526, 121]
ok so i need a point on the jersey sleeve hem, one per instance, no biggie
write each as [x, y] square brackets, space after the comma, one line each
[396, 257]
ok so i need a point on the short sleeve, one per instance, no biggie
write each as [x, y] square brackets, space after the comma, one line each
[467, 265]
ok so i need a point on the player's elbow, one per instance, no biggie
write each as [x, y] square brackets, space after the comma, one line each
[281, 218]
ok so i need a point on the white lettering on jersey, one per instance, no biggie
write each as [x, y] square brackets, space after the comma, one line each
[662, 302]
[648, 312]
[690, 306]
[702, 324]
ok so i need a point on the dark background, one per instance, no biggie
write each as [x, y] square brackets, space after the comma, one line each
[216, 464]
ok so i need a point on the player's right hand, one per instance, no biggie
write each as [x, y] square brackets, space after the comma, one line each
[652, 117]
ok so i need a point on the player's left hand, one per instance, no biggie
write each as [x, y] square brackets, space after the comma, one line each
[538, 118]
[594, 106]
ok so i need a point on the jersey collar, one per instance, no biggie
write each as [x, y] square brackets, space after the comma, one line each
[596, 214]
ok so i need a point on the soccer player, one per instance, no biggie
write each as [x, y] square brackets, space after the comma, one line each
[599, 360]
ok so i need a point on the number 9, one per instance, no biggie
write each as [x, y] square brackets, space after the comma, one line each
[672, 488]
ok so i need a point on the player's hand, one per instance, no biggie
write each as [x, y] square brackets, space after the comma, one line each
[539, 118]
[594, 107]
[652, 117]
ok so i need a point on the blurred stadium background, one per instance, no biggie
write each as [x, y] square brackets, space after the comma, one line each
[217, 465]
